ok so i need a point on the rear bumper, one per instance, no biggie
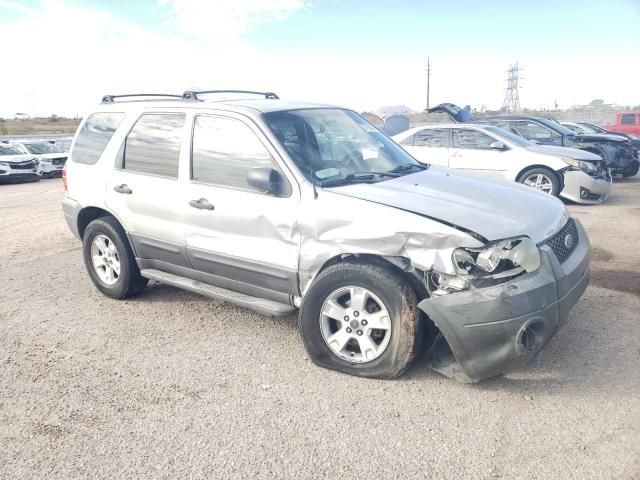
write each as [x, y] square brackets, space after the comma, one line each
[582, 188]
[71, 209]
[498, 329]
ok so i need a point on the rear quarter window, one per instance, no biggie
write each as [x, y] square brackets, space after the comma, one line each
[94, 136]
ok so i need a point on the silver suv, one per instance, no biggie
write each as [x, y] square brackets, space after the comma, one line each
[282, 206]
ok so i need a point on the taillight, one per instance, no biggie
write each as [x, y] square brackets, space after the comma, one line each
[64, 177]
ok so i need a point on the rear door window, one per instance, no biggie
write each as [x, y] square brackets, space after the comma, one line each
[432, 137]
[471, 139]
[94, 136]
[153, 145]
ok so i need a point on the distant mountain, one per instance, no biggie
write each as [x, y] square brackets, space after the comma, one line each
[394, 110]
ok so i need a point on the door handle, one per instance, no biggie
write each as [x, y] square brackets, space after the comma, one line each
[124, 188]
[202, 204]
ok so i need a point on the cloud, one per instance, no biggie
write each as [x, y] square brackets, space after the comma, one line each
[225, 19]
[66, 56]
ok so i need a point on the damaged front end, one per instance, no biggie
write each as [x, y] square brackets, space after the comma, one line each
[488, 330]
[495, 303]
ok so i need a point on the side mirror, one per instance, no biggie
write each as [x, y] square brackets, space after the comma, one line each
[498, 146]
[266, 180]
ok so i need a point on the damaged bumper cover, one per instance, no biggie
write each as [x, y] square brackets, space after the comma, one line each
[497, 329]
[582, 188]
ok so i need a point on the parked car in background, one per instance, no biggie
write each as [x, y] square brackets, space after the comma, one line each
[278, 206]
[51, 156]
[17, 166]
[628, 122]
[569, 173]
[617, 151]
[585, 127]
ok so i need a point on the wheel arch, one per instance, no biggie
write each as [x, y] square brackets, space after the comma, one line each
[89, 214]
[538, 165]
[400, 265]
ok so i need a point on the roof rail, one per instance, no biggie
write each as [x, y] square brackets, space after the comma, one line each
[111, 98]
[193, 94]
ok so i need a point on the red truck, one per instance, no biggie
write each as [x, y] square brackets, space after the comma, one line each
[628, 122]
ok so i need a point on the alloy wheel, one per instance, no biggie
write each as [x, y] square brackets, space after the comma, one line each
[106, 260]
[539, 181]
[355, 324]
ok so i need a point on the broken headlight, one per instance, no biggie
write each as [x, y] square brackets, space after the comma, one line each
[587, 167]
[494, 263]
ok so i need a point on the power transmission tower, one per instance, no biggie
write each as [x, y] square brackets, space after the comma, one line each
[511, 99]
[428, 79]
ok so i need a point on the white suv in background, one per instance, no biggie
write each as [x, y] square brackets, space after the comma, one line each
[285, 206]
[50, 155]
[569, 173]
[17, 166]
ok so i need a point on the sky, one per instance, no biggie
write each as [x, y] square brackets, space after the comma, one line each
[61, 56]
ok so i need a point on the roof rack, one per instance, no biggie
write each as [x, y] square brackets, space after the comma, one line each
[111, 98]
[193, 94]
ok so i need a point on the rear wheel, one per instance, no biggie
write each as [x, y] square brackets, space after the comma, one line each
[361, 319]
[109, 259]
[541, 179]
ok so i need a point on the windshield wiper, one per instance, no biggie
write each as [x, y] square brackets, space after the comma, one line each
[407, 166]
[359, 177]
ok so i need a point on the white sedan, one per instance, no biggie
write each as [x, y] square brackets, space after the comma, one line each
[569, 173]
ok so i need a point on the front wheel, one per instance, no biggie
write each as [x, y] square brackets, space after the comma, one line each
[361, 319]
[541, 179]
[631, 169]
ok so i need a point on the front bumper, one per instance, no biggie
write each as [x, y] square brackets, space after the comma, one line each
[497, 329]
[15, 176]
[582, 188]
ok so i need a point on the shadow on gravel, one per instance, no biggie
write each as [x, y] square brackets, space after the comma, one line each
[620, 280]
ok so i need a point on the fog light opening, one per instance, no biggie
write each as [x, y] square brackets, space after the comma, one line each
[528, 339]
[531, 337]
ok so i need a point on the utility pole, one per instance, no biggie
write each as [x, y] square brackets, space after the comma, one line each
[428, 79]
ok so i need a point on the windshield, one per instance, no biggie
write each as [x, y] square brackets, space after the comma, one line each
[40, 148]
[512, 137]
[338, 145]
[561, 129]
[593, 128]
[7, 150]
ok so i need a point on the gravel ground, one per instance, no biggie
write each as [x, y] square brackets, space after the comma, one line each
[170, 384]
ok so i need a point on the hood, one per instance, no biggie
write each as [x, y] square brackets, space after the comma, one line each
[491, 208]
[51, 156]
[457, 114]
[599, 137]
[574, 153]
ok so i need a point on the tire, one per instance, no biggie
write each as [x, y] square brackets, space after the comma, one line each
[102, 237]
[631, 169]
[543, 177]
[398, 345]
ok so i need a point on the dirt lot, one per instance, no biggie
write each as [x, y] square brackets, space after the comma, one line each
[172, 384]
